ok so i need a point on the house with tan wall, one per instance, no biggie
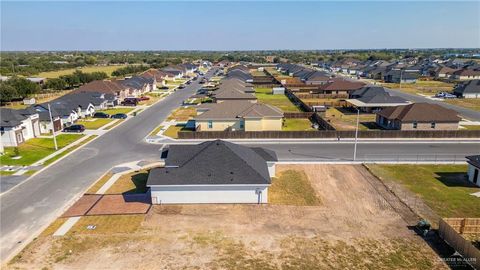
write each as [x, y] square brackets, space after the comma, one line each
[418, 116]
[238, 115]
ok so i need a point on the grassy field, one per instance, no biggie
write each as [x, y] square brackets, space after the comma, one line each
[348, 121]
[35, 149]
[471, 127]
[113, 111]
[469, 103]
[134, 182]
[264, 95]
[39, 98]
[183, 114]
[94, 123]
[99, 183]
[422, 87]
[442, 187]
[90, 138]
[292, 188]
[172, 131]
[87, 69]
[299, 124]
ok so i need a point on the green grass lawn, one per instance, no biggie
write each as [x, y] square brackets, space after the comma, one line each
[292, 187]
[442, 187]
[297, 124]
[64, 153]
[87, 69]
[471, 127]
[117, 110]
[35, 149]
[264, 95]
[348, 121]
[172, 131]
[94, 123]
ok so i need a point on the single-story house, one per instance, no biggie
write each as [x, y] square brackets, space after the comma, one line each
[444, 72]
[158, 75]
[474, 169]
[401, 76]
[230, 94]
[339, 87]
[107, 87]
[18, 126]
[278, 90]
[138, 85]
[468, 89]
[418, 116]
[212, 172]
[466, 74]
[238, 115]
[374, 98]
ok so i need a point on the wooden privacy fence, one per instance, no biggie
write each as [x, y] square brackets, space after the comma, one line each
[297, 114]
[449, 229]
[372, 134]
[309, 96]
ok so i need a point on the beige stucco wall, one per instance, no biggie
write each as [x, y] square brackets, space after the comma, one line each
[218, 125]
[272, 123]
[253, 125]
[427, 126]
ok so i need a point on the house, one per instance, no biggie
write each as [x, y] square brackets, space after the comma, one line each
[234, 89]
[466, 74]
[238, 115]
[107, 87]
[339, 87]
[173, 73]
[156, 74]
[374, 98]
[468, 89]
[401, 76]
[36, 80]
[418, 116]
[240, 74]
[316, 77]
[18, 126]
[474, 169]
[444, 72]
[278, 90]
[139, 85]
[213, 172]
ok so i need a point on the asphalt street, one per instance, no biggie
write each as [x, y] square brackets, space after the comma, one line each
[34, 203]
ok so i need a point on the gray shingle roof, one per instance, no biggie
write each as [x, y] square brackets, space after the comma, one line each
[211, 163]
[11, 117]
[469, 87]
[237, 109]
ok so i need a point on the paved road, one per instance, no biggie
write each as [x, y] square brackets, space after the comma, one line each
[33, 204]
[467, 113]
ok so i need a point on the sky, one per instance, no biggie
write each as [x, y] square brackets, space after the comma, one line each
[268, 25]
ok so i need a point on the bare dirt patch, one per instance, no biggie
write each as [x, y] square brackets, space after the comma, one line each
[352, 228]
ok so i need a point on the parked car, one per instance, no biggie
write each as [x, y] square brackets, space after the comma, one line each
[181, 86]
[143, 98]
[74, 128]
[164, 88]
[194, 78]
[101, 115]
[119, 116]
[445, 95]
[130, 102]
[188, 82]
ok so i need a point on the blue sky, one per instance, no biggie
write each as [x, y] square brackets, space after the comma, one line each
[237, 25]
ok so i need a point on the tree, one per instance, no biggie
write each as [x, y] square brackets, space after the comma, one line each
[56, 84]
[7, 92]
[23, 86]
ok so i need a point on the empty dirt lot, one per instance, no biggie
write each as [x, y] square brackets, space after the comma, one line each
[353, 227]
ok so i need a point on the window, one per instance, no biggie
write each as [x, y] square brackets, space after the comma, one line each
[415, 125]
[432, 125]
[242, 124]
[210, 124]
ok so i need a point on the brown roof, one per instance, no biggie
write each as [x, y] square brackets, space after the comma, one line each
[111, 87]
[445, 70]
[238, 109]
[420, 112]
[343, 85]
[467, 72]
[154, 73]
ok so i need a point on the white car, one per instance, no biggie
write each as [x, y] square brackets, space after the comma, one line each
[445, 95]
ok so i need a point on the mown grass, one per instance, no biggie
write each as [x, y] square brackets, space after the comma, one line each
[298, 124]
[94, 123]
[348, 121]
[292, 187]
[64, 153]
[113, 111]
[183, 114]
[135, 182]
[172, 131]
[107, 224]
[99, 183]
[469, 103]
[156, 130]
[264, 95]
[86, 69]
[35, 149]
[444, 188]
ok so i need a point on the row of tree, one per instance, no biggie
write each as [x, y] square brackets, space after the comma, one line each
[17, 88]
[129, 70]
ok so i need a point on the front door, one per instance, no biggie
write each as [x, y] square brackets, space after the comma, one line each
[475, 176]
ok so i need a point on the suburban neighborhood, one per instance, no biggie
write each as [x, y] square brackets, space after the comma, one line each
[230, 143]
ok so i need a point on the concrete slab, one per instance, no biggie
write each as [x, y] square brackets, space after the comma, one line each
[66, 226]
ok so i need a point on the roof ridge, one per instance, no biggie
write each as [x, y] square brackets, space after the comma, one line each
[244, 161]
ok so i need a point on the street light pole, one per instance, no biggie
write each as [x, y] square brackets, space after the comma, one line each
[53, 127]
[356, 136]
[401, 73]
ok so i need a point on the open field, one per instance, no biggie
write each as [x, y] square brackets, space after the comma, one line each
[94, 123]
[264, 95]
[183, 114]
[39, 98]
[351, 228]
[348, 120]
[469, 103]
[297, 124]
[442, 187]
[35, 149]
[86, 69]
[422, 87]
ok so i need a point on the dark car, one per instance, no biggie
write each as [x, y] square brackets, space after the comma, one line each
[164, 88]
[189, 82]
[181, 86]
[74, 128]
[119, 116]
[101, 115]
[129, 102]
[194, 78]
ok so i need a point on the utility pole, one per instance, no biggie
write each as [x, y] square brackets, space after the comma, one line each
[53, 127]
[401, 73]
[356, 136]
